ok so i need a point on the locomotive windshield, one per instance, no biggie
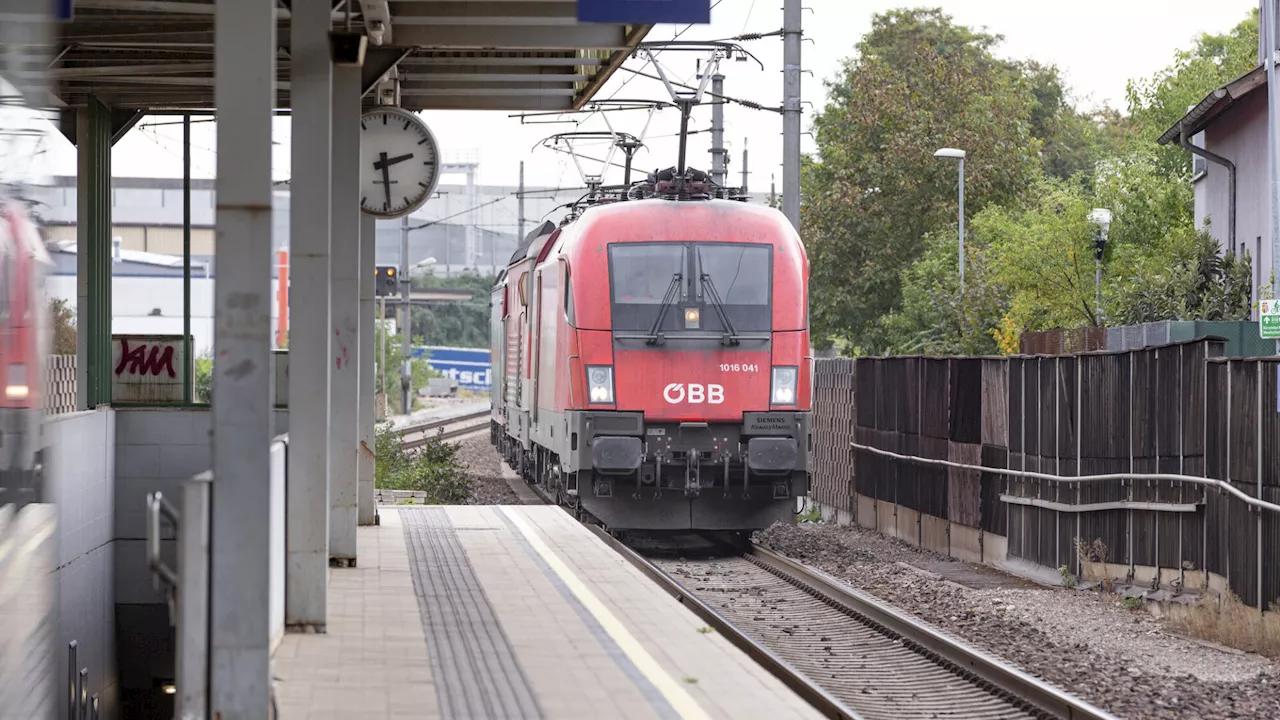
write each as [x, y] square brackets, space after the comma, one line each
[642, 274]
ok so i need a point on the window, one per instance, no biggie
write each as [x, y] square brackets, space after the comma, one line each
[739, 273]
[641, 275]
[524, 290]
[568, 294]
[1199, 168]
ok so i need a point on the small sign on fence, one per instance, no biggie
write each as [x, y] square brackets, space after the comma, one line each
[1269, 319]
[147, 368]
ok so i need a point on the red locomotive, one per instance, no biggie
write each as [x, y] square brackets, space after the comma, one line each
[657, 360]
[23, 347]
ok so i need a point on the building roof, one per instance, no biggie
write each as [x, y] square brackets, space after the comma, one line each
[1215, 104]
[141, 258]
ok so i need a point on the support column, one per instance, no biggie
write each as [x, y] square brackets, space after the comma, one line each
[791, 36]
[93, 255]
[239, 576]
[368, 380]
[310, 358]
[344, 269]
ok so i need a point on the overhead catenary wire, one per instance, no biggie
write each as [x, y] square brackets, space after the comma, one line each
[745, 103]
[654, 56]
[461, 212]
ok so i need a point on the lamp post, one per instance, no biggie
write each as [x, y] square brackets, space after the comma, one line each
[954, 154]
[1101, 219]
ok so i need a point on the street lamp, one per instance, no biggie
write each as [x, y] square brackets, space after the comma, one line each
[954, 154]
[1101, 219]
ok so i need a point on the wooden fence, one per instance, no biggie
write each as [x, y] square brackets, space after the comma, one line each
[1176, 410]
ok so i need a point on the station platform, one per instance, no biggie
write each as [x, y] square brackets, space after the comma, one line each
[475, 612]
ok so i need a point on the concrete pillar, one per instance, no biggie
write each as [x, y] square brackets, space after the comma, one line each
[310, 357]
[368, 380]
[239, 577]
[345, 271]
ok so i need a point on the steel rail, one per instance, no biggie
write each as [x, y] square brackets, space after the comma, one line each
[807, 689]
[988, 668]
[457, 432]
[1210, 482]
[432, 425]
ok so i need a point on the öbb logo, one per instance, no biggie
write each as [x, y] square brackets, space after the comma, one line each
[693, 393]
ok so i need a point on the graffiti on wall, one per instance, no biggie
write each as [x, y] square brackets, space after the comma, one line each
[136, 360]
[147, 368]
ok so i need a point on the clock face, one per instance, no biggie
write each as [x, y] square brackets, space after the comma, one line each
[399, 162]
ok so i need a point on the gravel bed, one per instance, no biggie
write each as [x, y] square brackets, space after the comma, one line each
[483, 464]
[1126, 662]
[872, 673]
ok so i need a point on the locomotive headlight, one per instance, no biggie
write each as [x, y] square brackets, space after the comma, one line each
[600, 383]
[784, 385]
[16, 387]
[692, 318]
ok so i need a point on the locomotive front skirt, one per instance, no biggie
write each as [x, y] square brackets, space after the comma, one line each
[655, 364]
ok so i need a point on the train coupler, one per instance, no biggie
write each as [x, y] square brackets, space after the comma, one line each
[692, 476]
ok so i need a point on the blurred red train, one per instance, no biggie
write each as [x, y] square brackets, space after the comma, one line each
[657, 363]
[24, 315]
[23, 348]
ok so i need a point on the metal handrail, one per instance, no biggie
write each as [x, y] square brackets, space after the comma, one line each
[158, 507]
[1211, 482]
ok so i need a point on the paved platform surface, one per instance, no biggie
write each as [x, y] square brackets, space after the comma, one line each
[475, 612]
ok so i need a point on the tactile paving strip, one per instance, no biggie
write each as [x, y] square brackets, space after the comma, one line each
[475, 671]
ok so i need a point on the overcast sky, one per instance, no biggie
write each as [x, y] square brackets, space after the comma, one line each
[1098, 44]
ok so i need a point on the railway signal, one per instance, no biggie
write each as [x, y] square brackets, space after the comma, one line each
[386, 282]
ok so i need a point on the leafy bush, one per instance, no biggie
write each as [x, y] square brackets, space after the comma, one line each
[432, 469]
[202, 383]
[64, 327]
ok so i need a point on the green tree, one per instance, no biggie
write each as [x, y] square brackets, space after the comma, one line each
[919, 82]
[1156, 103]
[64, 327]
[420, 372]
[464, 324]
[1072, 142]
[1043, 256]
[935, 317]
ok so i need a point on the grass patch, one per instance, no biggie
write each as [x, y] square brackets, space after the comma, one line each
[1232, 623]
[432, 469]
[812, 515]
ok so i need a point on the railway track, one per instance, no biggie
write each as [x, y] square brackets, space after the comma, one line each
[415, 436]
[848, 654]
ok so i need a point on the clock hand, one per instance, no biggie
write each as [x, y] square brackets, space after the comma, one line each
[386, 176]
[384, 163]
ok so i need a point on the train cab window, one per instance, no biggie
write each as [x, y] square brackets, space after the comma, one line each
[739, 276]
[568, 295]
[7, 284]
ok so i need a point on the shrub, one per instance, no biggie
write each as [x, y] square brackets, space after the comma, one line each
[202, 383]
[432, 469]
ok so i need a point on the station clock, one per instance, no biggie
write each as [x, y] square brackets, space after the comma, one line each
[399, 162]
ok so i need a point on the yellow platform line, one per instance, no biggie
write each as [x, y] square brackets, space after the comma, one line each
[675, 694]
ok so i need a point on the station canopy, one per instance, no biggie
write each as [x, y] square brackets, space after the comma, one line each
[156, 55]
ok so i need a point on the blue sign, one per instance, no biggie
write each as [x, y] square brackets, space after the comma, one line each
[62, 9]
[644, 12]
[468, 366]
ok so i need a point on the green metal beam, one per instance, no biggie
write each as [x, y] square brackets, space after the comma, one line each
[96, 183]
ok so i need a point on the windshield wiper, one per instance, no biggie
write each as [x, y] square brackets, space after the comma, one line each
[709, 289]
[673, 290]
